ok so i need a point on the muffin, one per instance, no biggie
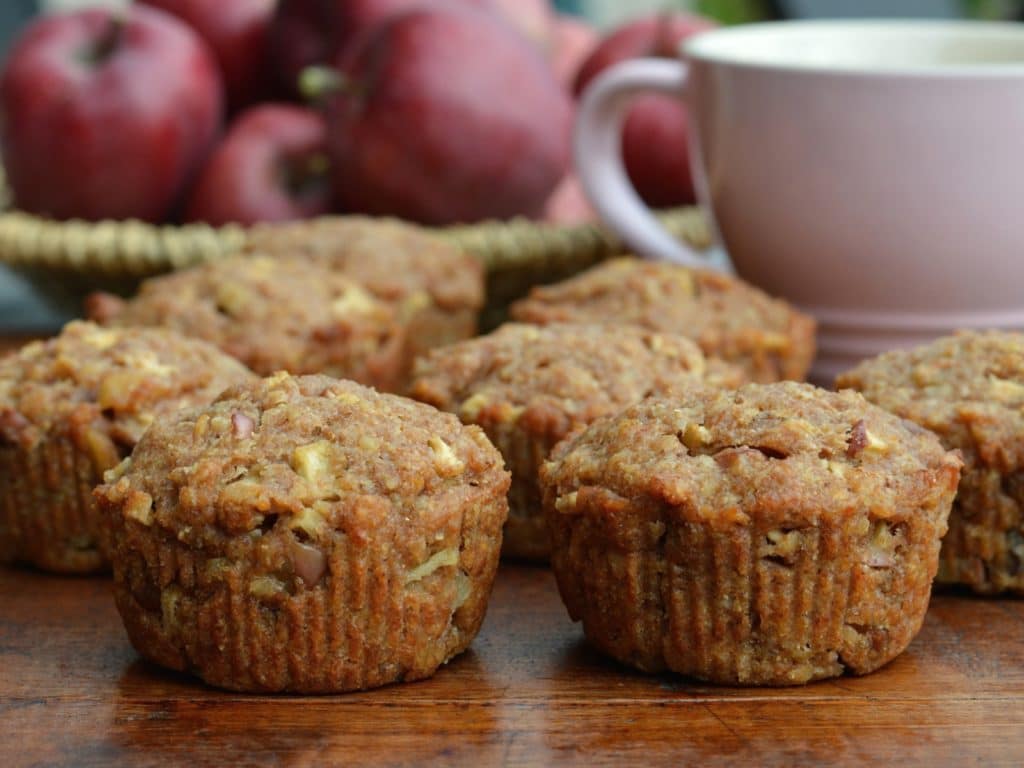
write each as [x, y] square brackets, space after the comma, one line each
[969, 390]
[74, 406]
[272, 313]
[436, 288]
[771, 535]
[728, 318]
[307, 535]
[529, 386]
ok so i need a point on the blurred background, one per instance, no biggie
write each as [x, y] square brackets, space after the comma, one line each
[22, 310]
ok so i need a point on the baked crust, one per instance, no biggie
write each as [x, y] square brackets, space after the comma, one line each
[306, 535]
[529, 386]
[72, 407]
[435, 288]
[273, 313]
[773, 535]
[728, 318]
[969, 390]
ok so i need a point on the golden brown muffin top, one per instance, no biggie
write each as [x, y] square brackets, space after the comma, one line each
[310, 456]
[725, 316]
[101, 384]
[547, 379]
[272, 313]
[967, 388]
[788, 454]
[393, 260]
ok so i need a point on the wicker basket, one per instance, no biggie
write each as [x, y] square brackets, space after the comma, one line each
[67, 259]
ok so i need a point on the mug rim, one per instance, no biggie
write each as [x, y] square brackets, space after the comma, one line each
[713, 46]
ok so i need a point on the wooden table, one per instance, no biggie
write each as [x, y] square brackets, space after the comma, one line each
[529, 692]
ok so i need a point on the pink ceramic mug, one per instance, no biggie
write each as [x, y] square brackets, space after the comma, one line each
[870, 172]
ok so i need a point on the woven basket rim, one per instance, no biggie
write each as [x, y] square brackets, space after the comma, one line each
[135, 248]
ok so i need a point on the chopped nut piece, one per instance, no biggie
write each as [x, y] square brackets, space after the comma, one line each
[774, 341]
[266, 586]
[277, 378]
[312, 462]
[118, 389]
[348, 398]
[220, 424]
[147, 362]
[863, 441]
[114, 474]
[884, 541]
[508, 413]
[1008, 389]
[310, 563]
[102, 451]
[139, 507]
[472, 406]
[447, 463]
[100, 338]
[231, 298]
[781, 545]
[309, 520]
[835, 468]
[242, 425]
[415, 302]
[369, 443]
[201, 426]
[695, 436]
[568, 501]
[169, 600]
[442, 559]
[463, 588]
[217, 568]
[354, 301]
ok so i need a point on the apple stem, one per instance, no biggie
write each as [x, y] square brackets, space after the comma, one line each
[109, 40]
[305, 175]
[317, 83]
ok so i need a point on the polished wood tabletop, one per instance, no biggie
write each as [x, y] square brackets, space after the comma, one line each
[529, 692]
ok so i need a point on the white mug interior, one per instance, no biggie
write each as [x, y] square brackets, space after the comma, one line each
[942, 48]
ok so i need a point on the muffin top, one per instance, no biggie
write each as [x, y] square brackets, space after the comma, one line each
[272, 313]
[549, 378]
[308, 456]
[104, 386]
[967, 388]
[785, 454]
[726, 317]
[393, 260]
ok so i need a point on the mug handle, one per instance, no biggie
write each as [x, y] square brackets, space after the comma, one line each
[597, 145]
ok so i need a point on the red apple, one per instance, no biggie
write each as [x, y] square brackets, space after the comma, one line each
[107, 114]
[237, 32]
[573, 41]
[313, 32]
[310, 32]
[447, 115]
[655, 135]
[568, 204]
[271, 166]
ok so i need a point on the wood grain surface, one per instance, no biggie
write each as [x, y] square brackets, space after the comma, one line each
[529, 692]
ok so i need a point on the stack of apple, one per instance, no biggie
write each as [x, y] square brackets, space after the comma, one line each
[437, 111]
